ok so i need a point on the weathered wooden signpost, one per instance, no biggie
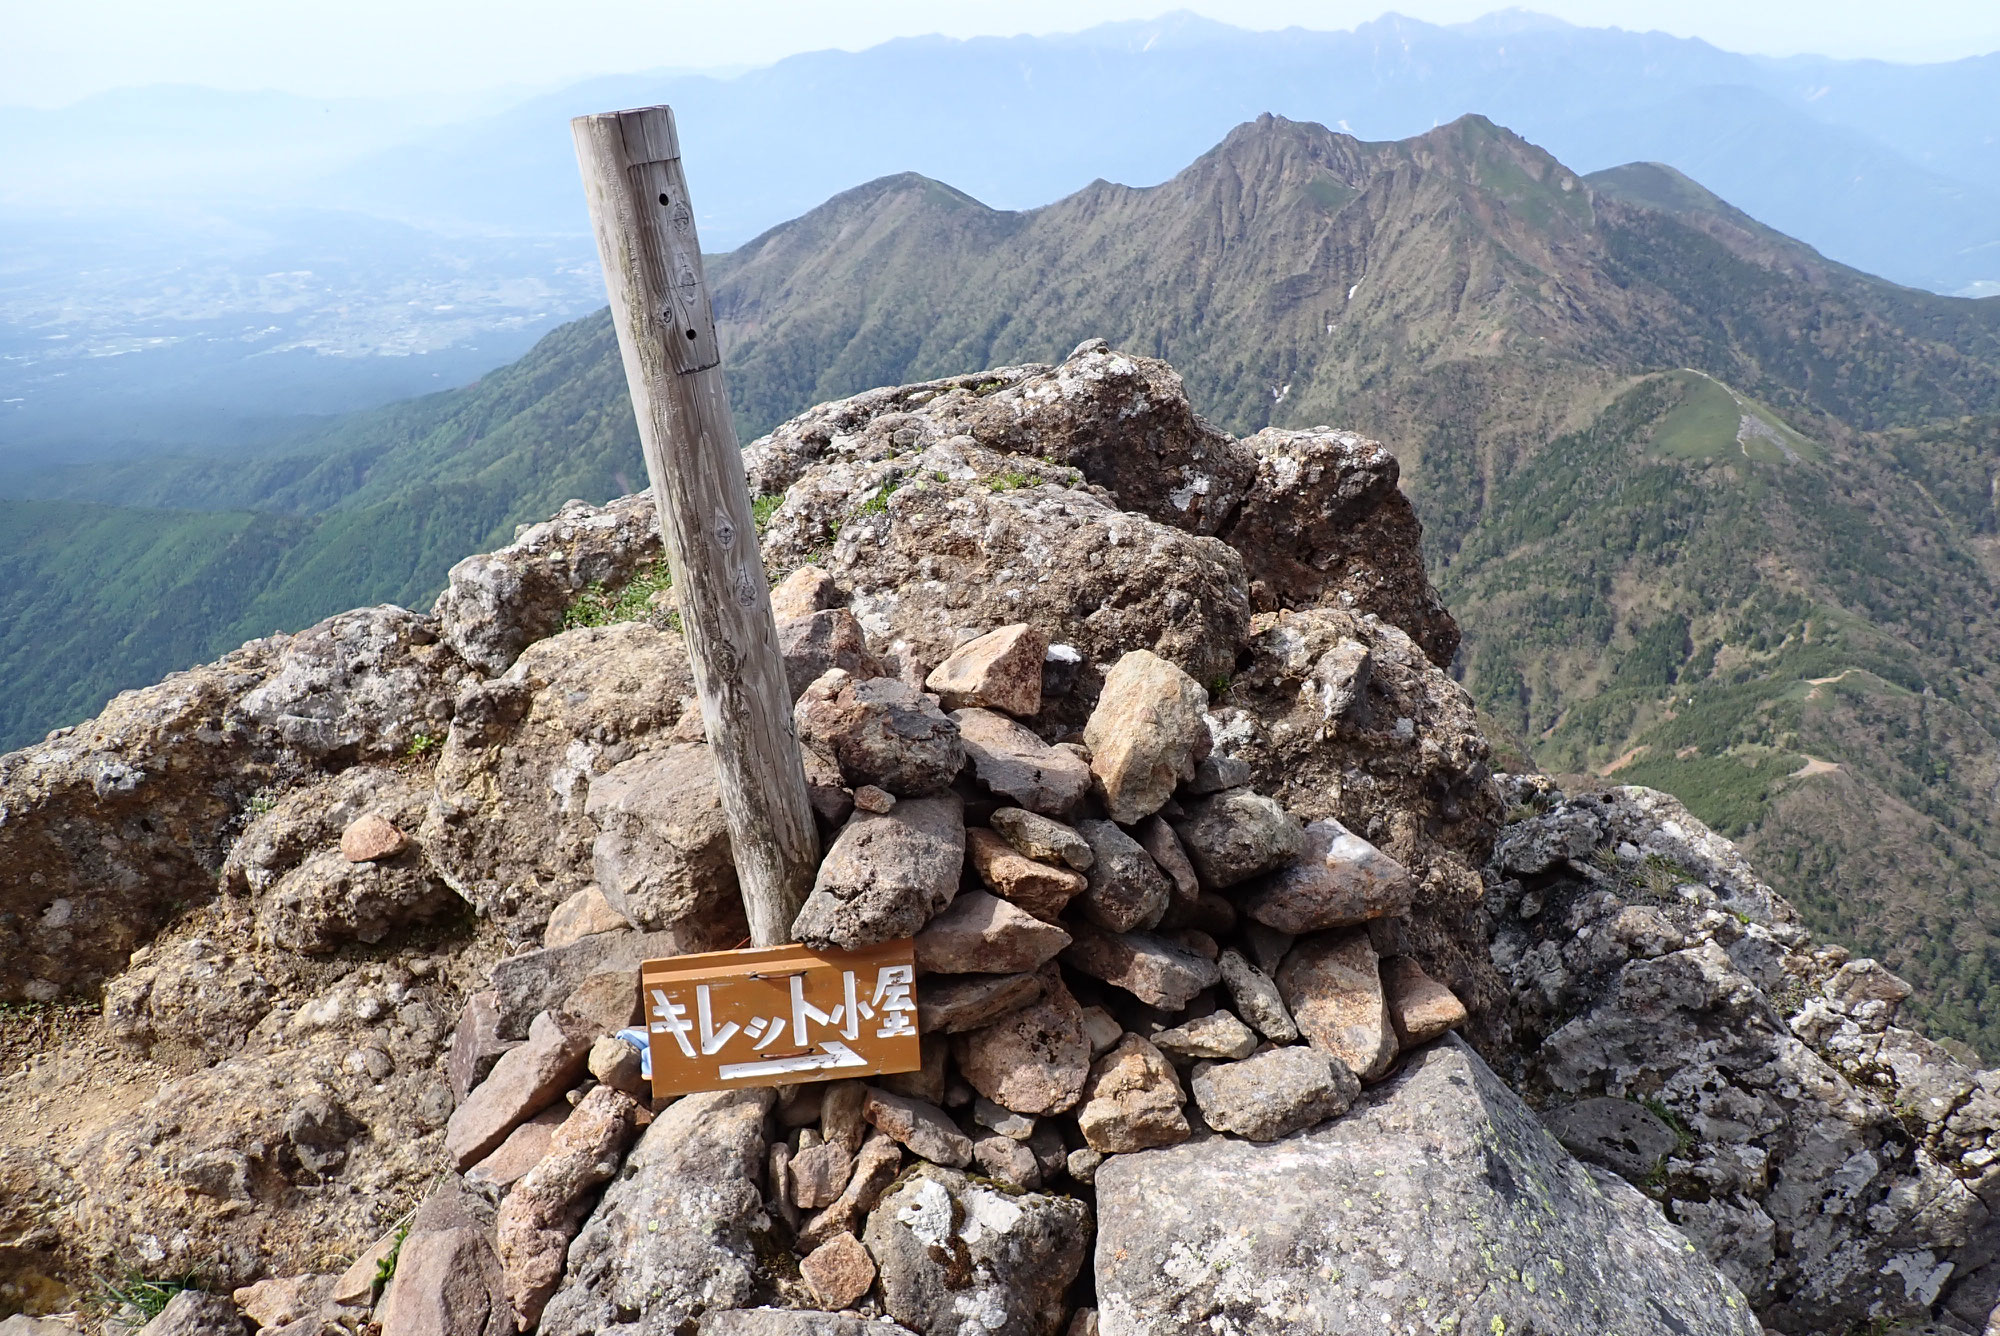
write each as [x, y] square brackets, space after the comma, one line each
[802, 1015]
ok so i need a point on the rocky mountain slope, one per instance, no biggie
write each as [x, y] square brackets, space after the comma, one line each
[1717, 510]
[317, 955]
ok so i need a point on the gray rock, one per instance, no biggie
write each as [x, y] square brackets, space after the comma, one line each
[677, 1231]
[1126, 888]
[880, 732]
[952, 1004]
[887, 875]
[821, 640]
[1216, 1035]
[1152, 969]
[921, 1126]
[1275, 1093]
[1217, 772]
[1157, 838]
[1333, 984]
[792, 1322]
[957, 1258]
[536, 981]
[189, 1313]
[1007, 1160]
[1019, 767]
[1620, 1134]
[1146, 734]
[1339, 879]
[1041, 889]
[1237, 834]
[1042, 838]
[1438, 1204]
[1004, 1121]
[1256, 997]
[663, 857]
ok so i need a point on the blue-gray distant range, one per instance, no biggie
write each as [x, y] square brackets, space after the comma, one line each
[265, 256]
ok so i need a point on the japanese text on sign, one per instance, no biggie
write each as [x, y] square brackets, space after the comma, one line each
[780, 1015]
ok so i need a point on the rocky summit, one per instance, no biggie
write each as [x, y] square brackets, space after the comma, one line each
[1252, 999]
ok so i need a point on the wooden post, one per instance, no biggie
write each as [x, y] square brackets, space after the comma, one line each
[666, 332]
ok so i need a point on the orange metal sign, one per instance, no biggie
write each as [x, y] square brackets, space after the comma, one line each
[779, 1016]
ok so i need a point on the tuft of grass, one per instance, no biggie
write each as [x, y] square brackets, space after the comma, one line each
[145, 1296]
[1684, 1137]
[422, 744]
[1218, 686]
[631, 602]
[877, 504]
[1013, 480]
[763, 507]
[386, 1268]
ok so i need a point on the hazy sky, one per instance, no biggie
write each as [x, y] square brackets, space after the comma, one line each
[55, 51]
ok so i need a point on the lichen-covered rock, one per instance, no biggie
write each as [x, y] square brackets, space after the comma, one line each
[958, 1258]
[498, 603]
[107, 825]
[887, 875]
[1834, 1164]
[881, 732]
[677, 1231]
[1438, 1203]
[662, 856]
[1275, 1093]
[508, 829]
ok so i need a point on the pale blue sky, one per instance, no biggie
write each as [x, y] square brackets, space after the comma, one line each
[56, 51]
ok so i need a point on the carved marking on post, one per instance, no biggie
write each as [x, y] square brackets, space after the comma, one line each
[646, 237]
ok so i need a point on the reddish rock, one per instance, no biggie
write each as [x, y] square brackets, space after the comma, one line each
[1132, 1100]
[1001, 670]
[371, 838]
[802, 593]
[1333, 987]
[1042, 890]
[541, 1215]
[1340, 879]
[1145, 735]
[819, 1174]
[839, 1271]
[1034, 1061]
[952, 1004]
[922, 1127]
[584, 914]
[1420, 1008]
[979, 933]
[523, 1149]
[1019, 767]
[526, 1080]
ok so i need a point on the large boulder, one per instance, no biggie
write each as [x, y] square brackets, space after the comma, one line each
[957, 1257]
[509, 828]
[886, 875]
[1833, 1163]
[1437, 1204]
[663, 857]
[499, 603]
[678, 1230]
[108, 826]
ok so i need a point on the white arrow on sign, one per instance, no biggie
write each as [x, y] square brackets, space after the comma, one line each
[837, 1054]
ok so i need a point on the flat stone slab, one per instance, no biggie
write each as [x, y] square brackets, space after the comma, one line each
[1437, 1204]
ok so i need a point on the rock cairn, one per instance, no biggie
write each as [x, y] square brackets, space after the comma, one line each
[1140, 732]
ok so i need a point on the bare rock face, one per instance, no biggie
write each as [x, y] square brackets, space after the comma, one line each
[498, 603]
[320, 1131]
[1019, 767]
[1333, 985]
[109, 823]
[675, 1234]
[508, 828]
[662, 857]
[1145, 735]
[946, 1246]
[1132, 1100]
[1827, 1151]
[1402, 766]
[1324, 524]
[886, 876]
[1379, 1220]
[1340, 879]
[946, 538]
[880, 732]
